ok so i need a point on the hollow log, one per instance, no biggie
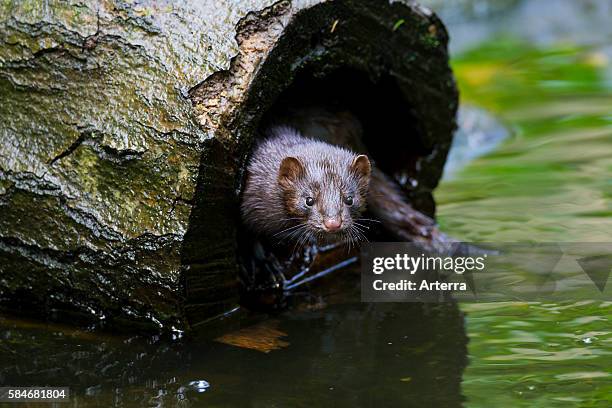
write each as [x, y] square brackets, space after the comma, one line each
[125, 128]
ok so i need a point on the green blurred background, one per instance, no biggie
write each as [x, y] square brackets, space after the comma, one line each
[544, 70]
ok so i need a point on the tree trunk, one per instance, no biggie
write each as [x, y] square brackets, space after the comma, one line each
[125, 129]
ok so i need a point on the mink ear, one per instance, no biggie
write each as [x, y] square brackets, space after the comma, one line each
[361, 166]
[291, 170]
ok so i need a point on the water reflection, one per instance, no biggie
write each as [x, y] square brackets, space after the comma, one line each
[343, 355]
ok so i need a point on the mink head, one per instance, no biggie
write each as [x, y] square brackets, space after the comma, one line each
[324, 198]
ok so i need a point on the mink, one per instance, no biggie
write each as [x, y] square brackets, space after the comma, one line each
[387, 202]
[304, 190]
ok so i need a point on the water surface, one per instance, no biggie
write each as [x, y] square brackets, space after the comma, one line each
[551, 181]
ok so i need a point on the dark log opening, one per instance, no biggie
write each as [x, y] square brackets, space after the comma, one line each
[381, 124]
[391, 134]
[397, 82]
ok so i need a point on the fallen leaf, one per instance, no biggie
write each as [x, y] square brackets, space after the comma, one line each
[263, 337]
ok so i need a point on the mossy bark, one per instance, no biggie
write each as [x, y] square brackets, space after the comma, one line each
[118, 185]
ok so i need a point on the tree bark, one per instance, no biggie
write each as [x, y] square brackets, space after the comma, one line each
[125, 129]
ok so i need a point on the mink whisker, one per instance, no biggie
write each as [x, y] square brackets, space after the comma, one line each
[368, 219]
[302, 239]
[361, 235]
[361, 226]
[301, 229]
[294, 230]
[348, 240]
[288, 229]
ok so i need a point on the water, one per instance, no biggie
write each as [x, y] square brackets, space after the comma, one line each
[551, 181]
[548, 180]
[359, 354]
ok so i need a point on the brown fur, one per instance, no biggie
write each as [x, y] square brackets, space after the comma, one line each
[285, 169]
[387, 202]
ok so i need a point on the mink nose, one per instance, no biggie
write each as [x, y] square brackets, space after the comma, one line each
[332, 224]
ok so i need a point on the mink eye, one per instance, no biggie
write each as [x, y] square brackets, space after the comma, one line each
[348, 200]
[309, 201]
